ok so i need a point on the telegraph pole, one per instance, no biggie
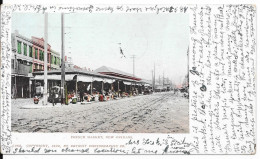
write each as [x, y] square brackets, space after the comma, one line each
[62, 59]
[163, 80]
[154, 77]
[45, 58]
[133, 57]
[188, 66]
[152, 80]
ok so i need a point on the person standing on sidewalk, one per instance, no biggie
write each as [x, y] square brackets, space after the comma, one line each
[81, 95]
[53, 97]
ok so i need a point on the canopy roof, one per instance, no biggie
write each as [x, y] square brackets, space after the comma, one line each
[83, 75]
[114, 72]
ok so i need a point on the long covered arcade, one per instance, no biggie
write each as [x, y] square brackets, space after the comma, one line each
[86, 85]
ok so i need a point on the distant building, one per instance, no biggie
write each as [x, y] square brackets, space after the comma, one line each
[68, 62]
[163, 84]
[28, 57]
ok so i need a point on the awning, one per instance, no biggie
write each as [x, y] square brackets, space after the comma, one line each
[127, 83]
[49, 77]
[54, 77]
[146, 84]
[108, 80]
[69, 77]
[97, 79]
[84, 78]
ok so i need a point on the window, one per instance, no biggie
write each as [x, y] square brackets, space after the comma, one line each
[55, 62]
[24, 49]
[48, 58]
[19, 48]
[36, 54]
[30, 51]
[12, 63]
[41, 55]
[22, 62]
[58, 61]
[30, 68]
[35, 66]
[51, 59]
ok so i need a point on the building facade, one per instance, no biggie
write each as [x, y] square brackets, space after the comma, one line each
[28, 57]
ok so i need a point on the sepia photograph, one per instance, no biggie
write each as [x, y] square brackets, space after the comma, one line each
[99, 73]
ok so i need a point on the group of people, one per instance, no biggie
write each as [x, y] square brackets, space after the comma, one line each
[98, 96]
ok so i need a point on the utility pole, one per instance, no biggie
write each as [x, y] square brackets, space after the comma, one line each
[62, 59]
[163, 80]
[188, 66]
[133, 57]
[154, 76]
[118, 87]
[16, 69]
[45, 58]
[152, 80]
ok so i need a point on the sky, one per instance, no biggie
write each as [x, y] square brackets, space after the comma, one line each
[93, 40]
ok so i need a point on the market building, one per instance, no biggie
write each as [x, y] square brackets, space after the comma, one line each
[90, 82]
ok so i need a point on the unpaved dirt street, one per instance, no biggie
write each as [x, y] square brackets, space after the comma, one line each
[156, 113]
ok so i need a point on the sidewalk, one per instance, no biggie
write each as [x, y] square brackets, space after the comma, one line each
[40, 106]
[28, 103]
[58, 105]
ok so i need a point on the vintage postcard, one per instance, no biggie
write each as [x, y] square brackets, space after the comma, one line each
[128, 79]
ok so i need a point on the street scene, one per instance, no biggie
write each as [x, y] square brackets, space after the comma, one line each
[164, 112]
[100, 73]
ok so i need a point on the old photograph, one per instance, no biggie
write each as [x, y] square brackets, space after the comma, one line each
[100, 73]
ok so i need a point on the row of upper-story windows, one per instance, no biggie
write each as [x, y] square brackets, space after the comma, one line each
[54, 60]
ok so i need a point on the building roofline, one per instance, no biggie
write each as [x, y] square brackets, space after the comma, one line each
[78, 71]
[111, 71]
[55, 52]
[34, 42]
[22, 37]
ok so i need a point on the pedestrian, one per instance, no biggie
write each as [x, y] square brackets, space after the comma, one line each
[101, 97]
[81, 95]
[96, 96]
[53, 97]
